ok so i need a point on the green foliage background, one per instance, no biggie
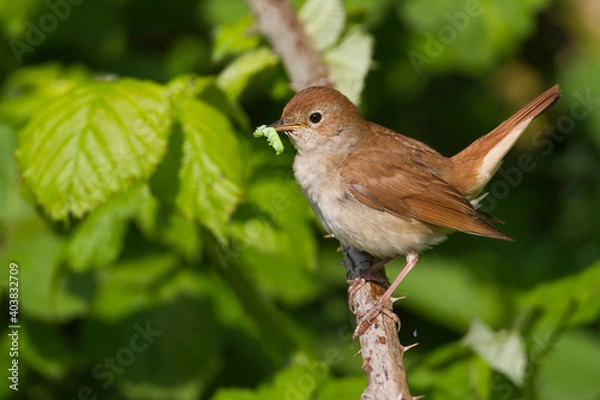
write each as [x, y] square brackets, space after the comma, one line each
[134, 199]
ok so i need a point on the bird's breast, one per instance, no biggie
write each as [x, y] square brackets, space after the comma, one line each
[354, 223]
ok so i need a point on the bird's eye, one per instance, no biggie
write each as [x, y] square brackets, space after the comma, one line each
[315, 117]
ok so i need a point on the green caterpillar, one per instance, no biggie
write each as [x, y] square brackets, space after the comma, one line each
[272, 137]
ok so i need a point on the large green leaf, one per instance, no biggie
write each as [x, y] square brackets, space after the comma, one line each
[569, 301]
[93, 142]
[211, 169]
[29, 90]
[349, 62]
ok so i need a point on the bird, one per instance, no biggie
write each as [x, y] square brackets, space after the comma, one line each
[387, 194]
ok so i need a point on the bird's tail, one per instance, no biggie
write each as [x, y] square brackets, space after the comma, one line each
[487, 152]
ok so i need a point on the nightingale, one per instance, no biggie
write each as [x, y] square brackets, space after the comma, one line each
[388, 194]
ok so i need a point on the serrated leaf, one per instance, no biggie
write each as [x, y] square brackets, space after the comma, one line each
[98, 240]
[234, 38]
[92, 143]
[503, 350]
[210, 173]
[28, 90]
[186, 87]
[236, 77]
[349, 63]
[323, 21]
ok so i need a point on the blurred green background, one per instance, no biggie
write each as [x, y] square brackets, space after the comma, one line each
[164, 253]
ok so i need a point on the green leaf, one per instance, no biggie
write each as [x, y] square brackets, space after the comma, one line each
[211, 169]
[101, 136]
[576, 296]
[186, 87]
[206, 89]
[129, 286]
[183, 235]
[236, 76]
[323, 21]
[98, 240]
[29, 90]
[349, 63]
[503, 350]
[234, 38]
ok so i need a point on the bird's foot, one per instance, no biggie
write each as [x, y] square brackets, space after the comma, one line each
[367, 318]
[357, 283]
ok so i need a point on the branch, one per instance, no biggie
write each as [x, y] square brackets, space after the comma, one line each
[278, 22]
[381, 350]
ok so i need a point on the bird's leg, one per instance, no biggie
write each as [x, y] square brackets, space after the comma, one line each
[368, 275]
[366, 319]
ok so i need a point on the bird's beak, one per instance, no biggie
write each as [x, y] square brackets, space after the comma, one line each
[281, 126]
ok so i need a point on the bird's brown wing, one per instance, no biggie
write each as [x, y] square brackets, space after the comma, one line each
[405, 188]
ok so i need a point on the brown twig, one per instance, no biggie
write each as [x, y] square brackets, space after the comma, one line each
[381, 350]
[278, 22]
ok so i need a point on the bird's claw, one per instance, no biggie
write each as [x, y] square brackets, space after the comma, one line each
[366, 319]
